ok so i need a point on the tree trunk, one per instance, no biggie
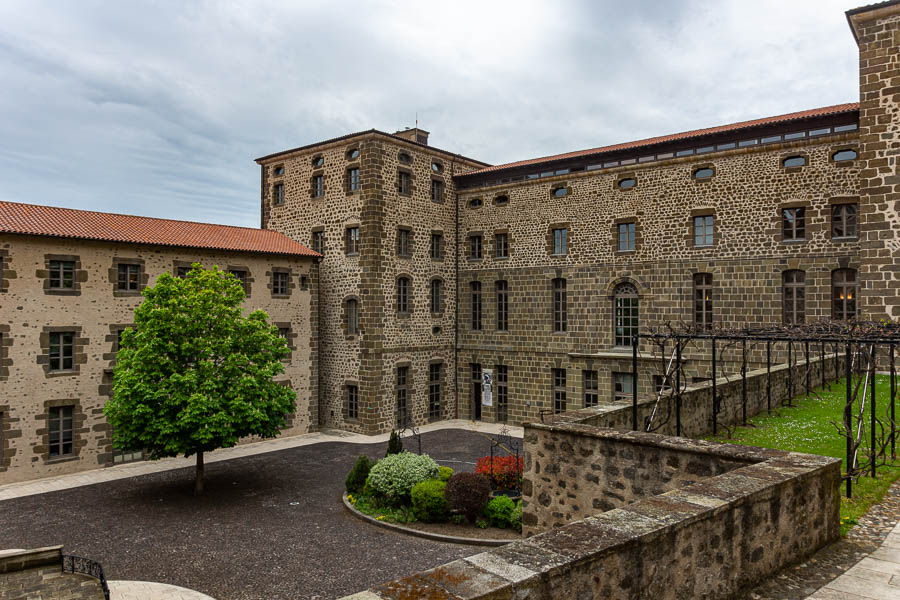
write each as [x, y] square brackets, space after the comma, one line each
[198, 482]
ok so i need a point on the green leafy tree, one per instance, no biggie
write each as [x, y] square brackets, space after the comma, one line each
[195, 374]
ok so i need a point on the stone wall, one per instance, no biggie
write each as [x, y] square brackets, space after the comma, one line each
[38, 573]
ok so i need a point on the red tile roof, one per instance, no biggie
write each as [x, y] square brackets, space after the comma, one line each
[33, 219]
[817, 112]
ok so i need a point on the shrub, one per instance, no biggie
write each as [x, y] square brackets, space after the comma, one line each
[517, 517]
[507, 471]
[481, 523]
[499, 511]
[468, 493]
[445, 474]
[356, 478]
[394, 475]
[429, 501]
[395, 444]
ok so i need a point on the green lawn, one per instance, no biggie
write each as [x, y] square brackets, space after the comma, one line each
[807, 427]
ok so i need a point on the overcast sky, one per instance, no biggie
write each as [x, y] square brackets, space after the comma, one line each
[159, 108]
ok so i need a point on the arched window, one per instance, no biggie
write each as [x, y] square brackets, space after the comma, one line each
[352, 317]
[627, 183]
[703, 306]
[625, 314]
[794, 161]
[793, 291]
[844, 284]
[403, 285]
[844, 155]
[704, 173]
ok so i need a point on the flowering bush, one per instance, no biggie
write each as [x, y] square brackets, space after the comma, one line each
[394, 475]
[507, 472]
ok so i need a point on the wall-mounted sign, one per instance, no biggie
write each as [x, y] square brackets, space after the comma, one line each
[487, 387]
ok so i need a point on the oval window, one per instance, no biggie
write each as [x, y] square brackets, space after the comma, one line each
[704, 173]
[842, 155]
[475, 203]
[318, 161]
[627, 183]
[560, 192]
[794, 161]
[501, 200]
[353, 154]
[279, 171]
[404, 158]
[437, 167]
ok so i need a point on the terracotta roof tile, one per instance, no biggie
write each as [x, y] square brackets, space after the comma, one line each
[33, 219]
[817, 112]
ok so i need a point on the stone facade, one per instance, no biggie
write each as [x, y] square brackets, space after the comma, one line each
[94, 313]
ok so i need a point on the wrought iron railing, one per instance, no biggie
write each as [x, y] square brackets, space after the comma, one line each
[85, 566]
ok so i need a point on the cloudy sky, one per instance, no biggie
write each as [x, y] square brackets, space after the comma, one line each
[159, 108]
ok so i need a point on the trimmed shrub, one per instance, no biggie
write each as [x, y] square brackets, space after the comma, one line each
[429, 501]
[446, 474]
[507, 473]
[499, 511]
[395, 444]
[394, 475]
[468, 493]
[356, 478]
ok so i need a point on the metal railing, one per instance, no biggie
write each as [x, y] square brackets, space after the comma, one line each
[85, 566]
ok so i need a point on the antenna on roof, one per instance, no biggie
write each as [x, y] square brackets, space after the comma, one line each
[417, 119]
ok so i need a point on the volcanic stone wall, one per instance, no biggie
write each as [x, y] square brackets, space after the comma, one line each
[38, 574]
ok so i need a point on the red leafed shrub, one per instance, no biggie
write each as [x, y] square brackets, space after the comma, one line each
[506, 472]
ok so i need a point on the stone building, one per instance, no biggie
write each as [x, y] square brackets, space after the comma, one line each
[69, 283]
[439, 269]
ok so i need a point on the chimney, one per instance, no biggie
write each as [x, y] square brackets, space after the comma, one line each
[414, 134]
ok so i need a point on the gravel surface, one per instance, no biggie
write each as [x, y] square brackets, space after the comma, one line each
[270, 526]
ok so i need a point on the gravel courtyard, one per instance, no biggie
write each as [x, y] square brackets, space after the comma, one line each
[270, 526]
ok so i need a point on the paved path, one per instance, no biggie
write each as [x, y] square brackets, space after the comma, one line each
[64, 482]
[876, 577]
[147, 590]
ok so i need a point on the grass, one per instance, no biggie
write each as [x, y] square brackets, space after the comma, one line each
[807, 427]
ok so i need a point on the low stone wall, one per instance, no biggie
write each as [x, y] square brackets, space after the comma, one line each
[38, 573]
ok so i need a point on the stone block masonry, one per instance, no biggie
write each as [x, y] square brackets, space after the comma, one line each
[38, 573]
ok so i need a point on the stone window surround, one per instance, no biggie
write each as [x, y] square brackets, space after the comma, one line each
[5, 272]
[497, 197]
[702, 212]
[842, 200]
[778, 229]
[347, 228]
[143, 276]
[79, 275]
[345, 318]
[291, 336]
[350, 149]
[6, 342]
[843, 163]
[404, 157]
[346, 178]
[474, 203]
[442, 300]
[182, 264]
[412, 182]
[697, 167]
[319, 172]
[79, 357]
[274, 170]
[638, 235]
[560, 186]
[509, 244]
[435, 177]
[112, 338]
[6, 434]
[786, 155]
[312, 238]
[442, 246]
[248, 279]
[345, 395]
[410, 241]
[469, 236]
[439, 163]
[569, 238]
[275, 187]
[270, 276]
[410, 296]
[79, 431]
[316, 157]
[621, 176]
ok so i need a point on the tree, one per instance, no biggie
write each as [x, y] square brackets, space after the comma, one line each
[195, 374]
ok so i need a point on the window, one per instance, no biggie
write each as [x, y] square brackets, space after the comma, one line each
[405, 183]
[793, 224]
[475, 247]
[434, 392]
[627, 183]
[437, 246]
[129, 277]
[318, 161]
[352, 317]
[318, 241]
[475, 203]
[241, 276]
[559, 391]
[62, 351]
[122, 456]
[559, 305]
[591, 388]
[351, 245]
[404, 158]
[437, 190]
[60, 434]
[403, 242]
[560, 241]
[626, 237]
[501, 200]
[703, 313]
[661, 384]
[304, 282]
[353, 154]
[704, 173]
[352, 402]
[843, 221]
[843, 293]
[502, 305]
[625, 314]
[437, 167]
[278, 171]
[285, 333]
[623, 387]
[437, 288]
[280, 283]
[703, 230]
[402, 396]
[844, 155]
[353, 179]
[318, 186]
[501, 245]
[403, 294]
[792, 162]
[501, 386]
[475, 369]
[182, 272]
[476, 305]
[793, 289]
[278, 194]
[62, 275]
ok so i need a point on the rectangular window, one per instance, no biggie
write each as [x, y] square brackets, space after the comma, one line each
[434, 392]
[436, 292]
[352, 317]
[405, 183]
[129, 277]
[703, 230]
[403, 242]
[121, 456]
[240, 275]
[560, 241]
[437, 190]
[318, 186]
[280, 282]
[502, 306]
[703, 307]
[475, 390]
[794, 294]
[352, 402]
[62, 351]
[793, 224]
[437, 246]
[304, 282]
[475, 247]
[278, 194]
[402, 396]
[560, 308]
[626, 237]
[476, 305]
[318, 241]
[352, 240]
[60, 435]
[843, 221]
[623, 387]
[661, 384]
[591, 388]
[62, 275]
[559, 391]
[353, 179]
[501, 245]
[181, 272]
[403, 295]
[285, 333]
[501, 385]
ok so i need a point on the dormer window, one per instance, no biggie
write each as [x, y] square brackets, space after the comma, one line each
[559, 192]
[318, 161]
[475, 203]
[437, 167]
[792, 162]
[626, 183]
[844, 155]
[353, 154]
[704, 173]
